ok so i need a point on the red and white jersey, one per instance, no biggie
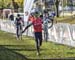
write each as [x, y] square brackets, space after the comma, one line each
[37, 24]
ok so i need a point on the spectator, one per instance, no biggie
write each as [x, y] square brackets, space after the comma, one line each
[11, 17]
[45, 23]
[19, 23]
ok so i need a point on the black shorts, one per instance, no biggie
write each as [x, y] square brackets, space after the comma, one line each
[38, 35]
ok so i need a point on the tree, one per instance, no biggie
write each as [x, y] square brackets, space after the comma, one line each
[15, 5]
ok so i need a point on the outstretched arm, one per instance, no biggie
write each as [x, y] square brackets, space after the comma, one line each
[26, 27]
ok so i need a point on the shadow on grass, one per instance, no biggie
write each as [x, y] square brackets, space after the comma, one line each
[20, 47]
[7, 54]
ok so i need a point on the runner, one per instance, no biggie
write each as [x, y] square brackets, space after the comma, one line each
[37, 25]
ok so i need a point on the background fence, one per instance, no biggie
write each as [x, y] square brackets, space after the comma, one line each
[62, 33]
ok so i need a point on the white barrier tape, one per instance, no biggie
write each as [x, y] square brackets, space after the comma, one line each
[62, 33]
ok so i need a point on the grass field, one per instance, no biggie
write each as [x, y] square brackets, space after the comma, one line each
[67, 19]
[12, 49]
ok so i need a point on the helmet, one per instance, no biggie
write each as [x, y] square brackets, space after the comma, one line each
[36, 14]
[18, 15]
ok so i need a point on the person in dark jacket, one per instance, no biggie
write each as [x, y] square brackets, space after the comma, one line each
[11, 17]
[19, 22]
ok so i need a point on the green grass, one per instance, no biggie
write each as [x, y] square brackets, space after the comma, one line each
[67, 19]
[12, 49]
